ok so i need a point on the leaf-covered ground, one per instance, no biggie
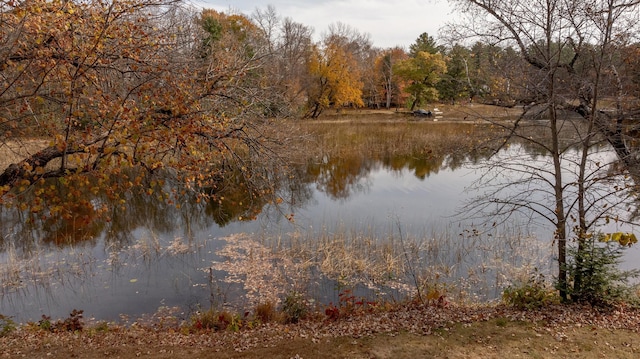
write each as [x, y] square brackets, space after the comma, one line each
[407, 332]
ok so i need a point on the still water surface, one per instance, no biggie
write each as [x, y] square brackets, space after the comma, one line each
[168, 265]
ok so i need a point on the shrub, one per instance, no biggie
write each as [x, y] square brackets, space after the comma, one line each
[7, 325]
[101, 326]
[266, 312]
[205, 320]
[532, 294]
[45, 323]
[214, 320]
[594, 274]
[73, 323]
[294, 307]
[211, 320]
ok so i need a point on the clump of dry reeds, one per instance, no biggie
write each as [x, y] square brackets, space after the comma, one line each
[467, 267]
[378, 139]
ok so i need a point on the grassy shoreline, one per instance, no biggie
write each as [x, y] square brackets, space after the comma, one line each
[405, 331]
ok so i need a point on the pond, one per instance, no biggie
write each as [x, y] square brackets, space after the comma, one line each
[373, 226]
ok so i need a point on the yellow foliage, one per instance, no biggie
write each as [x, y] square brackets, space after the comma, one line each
[336, 77]
[625, 239]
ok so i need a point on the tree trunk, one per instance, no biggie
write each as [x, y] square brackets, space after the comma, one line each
[389, 93]
[413, 104]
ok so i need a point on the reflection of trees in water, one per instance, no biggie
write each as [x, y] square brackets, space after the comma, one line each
[231, 201]
[341, 176]
[94, 214]
[569, 139]
[160, 206]
[424, 166]
[85, 215]
[89, 214]
[74, 214]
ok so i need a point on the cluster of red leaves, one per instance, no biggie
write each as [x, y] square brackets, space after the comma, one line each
[349, 305]
[73, 323]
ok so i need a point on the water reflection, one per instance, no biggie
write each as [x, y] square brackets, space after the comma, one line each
[340, 177]
[135, 252]
[94, 214]
[97, 215]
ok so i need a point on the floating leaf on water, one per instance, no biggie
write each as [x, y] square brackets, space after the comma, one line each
[133, 280]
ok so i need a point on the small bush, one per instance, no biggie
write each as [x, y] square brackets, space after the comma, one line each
[45, 323]
[73, 323]
[216, 321]
[266, 312]
[7, 325]
[436, 295]
[211, 320]
[101, 326]
[348, 305]
[532, 294]
[594, 274]
[502, 322]
[294, 307]
[204, 321]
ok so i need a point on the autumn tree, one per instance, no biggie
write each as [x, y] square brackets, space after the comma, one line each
[570, 49]
[239, 44]
[631, 69]
[496, 73]
[422, 73]
[507, 88]
[295, 49]
[372, 94]
[389, 87]
[109, 96]
[483, 70]
[334, 71]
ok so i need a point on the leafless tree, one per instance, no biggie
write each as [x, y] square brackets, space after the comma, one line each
[570, 48]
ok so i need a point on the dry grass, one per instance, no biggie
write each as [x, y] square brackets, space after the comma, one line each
[379, 132]
[502, 339]
[470, 112]
[384, 140]
[437, 266]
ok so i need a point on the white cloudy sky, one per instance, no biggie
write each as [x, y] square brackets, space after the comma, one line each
[388, 22]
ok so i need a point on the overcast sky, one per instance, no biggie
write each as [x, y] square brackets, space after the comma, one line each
[388, 22]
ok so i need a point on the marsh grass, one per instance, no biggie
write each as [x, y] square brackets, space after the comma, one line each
[17, 271]
[23, 277]
[466, 268]
[47, 268]
[376, 140]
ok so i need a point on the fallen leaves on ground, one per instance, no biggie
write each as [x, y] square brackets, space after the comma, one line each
[139, 340]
